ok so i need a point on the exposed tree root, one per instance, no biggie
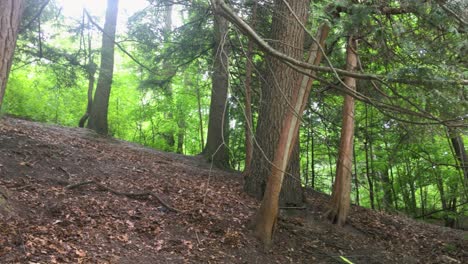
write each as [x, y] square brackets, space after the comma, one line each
[132, 195]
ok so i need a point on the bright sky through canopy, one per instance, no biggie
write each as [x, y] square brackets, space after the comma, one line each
[74, 8]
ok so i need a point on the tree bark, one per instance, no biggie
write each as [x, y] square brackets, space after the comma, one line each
[10, 18]
[368, 172]
[98, 117]
[268, 211]
[460, 152]
[387, 189]
[216, 150]
[248, 100]
[91, 80]
[341, 195]
[281, 80]
[356, 179]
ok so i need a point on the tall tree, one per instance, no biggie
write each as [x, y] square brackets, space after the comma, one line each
[10, 19]
[98, 116]
[91, 69]
[459, 151]
[268, 211]
[341, 195]
[216, 149]
[276, 95]
[248, 98]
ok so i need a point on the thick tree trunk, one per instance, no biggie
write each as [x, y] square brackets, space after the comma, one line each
[268, 211]
[216, 149]
[341, 195]
[98, 117]
[281, 80]
[10, 19]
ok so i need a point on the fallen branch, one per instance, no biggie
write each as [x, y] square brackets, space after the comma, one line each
[132, 195]
[438, 211]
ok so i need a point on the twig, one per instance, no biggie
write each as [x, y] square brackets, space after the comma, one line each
[293, 208]
[132, 195]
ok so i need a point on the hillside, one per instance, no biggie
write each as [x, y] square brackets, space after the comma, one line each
[47, 218]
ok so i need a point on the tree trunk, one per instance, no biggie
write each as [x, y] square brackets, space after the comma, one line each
[368, 173]
[91, 79]
[216, 150]
[167, 72]
[281, 80]
[98, 117]
[312, 157]
[248, 99]
[460, 152]
[392, 180]
[268, 211]
[356, 179]
[341, 195]
[387, 189]
[10, 19]
[200, 118]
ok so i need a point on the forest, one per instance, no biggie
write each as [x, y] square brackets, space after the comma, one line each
[266, 122]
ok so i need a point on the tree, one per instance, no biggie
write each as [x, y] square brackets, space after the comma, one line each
[216, 149]
[91, 69]
[341, 195]
[98, 117]
[459, 152]
[10, 19]
[281, 80]
[248, 99]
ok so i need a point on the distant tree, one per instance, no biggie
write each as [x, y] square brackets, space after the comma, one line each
[10, 14]
[91, 69]
[98, 116]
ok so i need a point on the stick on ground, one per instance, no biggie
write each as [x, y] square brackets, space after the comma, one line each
[133, 195]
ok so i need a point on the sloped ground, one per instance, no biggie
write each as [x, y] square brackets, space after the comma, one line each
[49, 223]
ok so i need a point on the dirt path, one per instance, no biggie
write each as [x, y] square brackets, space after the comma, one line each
[48, 223]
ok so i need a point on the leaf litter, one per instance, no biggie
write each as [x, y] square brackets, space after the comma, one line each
[46, 222]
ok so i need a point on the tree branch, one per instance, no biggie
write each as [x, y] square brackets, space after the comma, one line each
[131, 195]
[227, 12]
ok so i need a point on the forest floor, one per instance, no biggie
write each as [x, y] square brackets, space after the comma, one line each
[43, 220]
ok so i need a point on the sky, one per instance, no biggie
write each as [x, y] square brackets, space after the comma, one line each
[74, 8]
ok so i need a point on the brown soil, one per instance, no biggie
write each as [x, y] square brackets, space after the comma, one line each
[41, 221]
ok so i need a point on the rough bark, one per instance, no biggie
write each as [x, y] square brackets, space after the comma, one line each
[276, 92]
[216, 150]
[98, 116]
[341, 195]
[268, 211]
[10, 19]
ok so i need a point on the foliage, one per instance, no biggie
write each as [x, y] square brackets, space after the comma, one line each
[401, 144]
